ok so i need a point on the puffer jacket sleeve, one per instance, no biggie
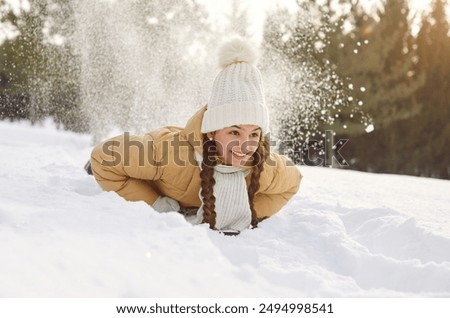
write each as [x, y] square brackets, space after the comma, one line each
[279, 182]
[125, 164]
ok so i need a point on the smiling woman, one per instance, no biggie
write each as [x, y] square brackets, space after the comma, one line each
[231, 181]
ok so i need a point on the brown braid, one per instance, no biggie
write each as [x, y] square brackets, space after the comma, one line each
[208, 182]
[259, 157]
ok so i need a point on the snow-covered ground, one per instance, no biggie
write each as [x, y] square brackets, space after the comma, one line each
[344, 234]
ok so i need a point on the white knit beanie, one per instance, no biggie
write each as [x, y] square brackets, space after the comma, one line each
[237, 96]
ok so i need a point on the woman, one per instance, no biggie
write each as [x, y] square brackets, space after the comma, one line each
[218, 165]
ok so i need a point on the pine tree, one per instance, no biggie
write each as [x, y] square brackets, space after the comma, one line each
[23, 64]
[379, 57]
[38, 69]
[431, 126]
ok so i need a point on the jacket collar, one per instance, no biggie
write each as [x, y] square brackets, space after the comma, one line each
[192, 130]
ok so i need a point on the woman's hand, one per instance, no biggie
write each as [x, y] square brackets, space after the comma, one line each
[166, 204]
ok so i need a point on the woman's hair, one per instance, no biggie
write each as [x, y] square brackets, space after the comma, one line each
[207, 175]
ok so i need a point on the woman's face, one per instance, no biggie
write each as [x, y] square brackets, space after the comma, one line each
[236, 144]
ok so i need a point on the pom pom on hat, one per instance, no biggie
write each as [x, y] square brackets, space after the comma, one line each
[237, 50]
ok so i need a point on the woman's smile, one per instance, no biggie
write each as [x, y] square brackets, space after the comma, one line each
[239, 154]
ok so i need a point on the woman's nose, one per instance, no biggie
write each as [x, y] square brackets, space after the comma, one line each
[247, 144]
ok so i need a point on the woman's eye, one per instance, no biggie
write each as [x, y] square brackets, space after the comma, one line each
[254, 135]
[234, 132]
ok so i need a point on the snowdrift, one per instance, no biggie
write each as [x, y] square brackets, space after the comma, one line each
[345, 234]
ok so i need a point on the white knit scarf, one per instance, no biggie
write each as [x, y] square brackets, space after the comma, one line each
[232, 206]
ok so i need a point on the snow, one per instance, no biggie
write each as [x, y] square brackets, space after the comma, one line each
[345, 234]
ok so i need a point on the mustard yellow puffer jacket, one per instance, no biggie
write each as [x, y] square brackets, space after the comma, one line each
[162, 162]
